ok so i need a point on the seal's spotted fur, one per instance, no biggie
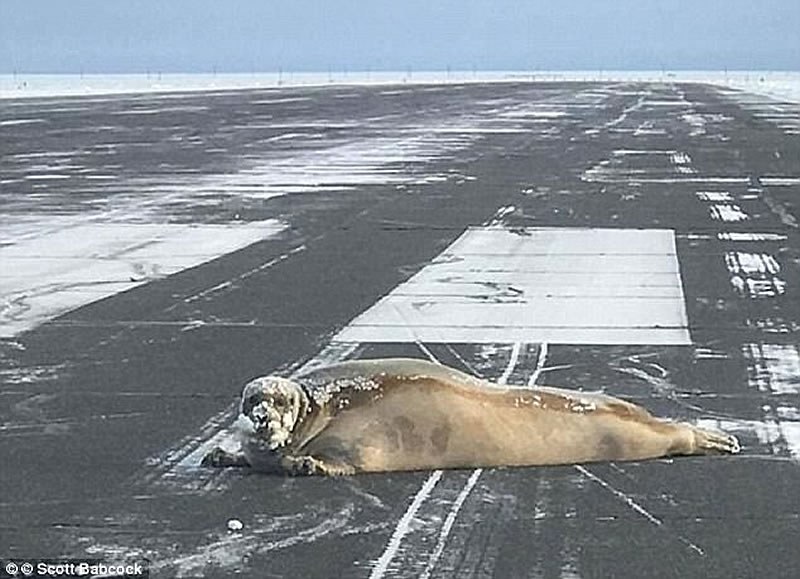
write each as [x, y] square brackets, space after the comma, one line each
[405, 414]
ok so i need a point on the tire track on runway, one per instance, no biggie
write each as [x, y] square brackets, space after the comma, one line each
[636, 507]
[410, 558]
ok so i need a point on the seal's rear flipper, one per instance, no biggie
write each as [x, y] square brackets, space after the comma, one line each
[220, 458]
[715, 442]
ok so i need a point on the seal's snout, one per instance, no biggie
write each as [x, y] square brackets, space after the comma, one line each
[250, 402]
[252, 395]
[272, 406]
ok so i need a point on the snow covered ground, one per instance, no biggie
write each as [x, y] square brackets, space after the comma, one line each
[34, 85]
[782, 85]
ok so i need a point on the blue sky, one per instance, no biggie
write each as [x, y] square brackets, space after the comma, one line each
[320, 35]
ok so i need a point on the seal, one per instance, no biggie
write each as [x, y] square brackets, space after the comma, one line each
[406, 414]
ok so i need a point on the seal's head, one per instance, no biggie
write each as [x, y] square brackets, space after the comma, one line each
[273, 405]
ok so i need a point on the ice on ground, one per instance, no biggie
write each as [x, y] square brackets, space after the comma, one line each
[781, 85]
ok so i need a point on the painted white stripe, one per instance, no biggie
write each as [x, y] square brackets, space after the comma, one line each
[623, 177]
[511, 363]
[728, 212]
[620, 495]
[773, 368]
[715, 196]
[470, 484]
[745, 236]
[243, 276]
[540, 362]
[48, 273]
[404, 525]
[779, 181]
[402, 528]
[427, 352]
[634, 506]
[502, 334]
[493, 285]
[449, 521]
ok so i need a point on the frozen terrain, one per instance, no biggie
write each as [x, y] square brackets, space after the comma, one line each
[782, 85]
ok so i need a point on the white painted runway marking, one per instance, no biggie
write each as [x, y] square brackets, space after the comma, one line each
[749, 237]
[449, 521]
[715, 196]
[561, 286]
[778, 431]
[774, 368]
[779, 181]
[729, 212]
[626, 165]
[402, 528]
[403, 525]
[512, 362]
[48, 273]
[755, 275]
[540, 362]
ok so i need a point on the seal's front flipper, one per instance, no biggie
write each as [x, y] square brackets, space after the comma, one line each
[220, 458]
[310, 465]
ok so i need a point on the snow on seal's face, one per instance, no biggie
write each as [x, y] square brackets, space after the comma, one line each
[273, 405]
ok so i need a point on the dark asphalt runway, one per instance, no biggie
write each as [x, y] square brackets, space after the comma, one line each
[107, 408]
